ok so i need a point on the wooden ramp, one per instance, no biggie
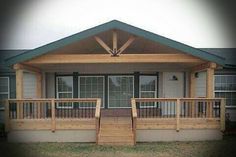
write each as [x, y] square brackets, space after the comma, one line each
[116, 131]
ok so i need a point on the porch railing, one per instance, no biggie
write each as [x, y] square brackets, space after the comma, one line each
[52, 109]
[177, 109]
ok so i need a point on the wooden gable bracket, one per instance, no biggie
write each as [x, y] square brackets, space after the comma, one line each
[204, 66]
[115, 51]
[25, 67]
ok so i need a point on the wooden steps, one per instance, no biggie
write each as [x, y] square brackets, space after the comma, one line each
[116, 131]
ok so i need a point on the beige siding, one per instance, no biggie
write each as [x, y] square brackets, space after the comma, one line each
[200, 89]
[50, 85]
[29, 85]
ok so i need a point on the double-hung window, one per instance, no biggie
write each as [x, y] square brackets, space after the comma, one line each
[147, 89]
[64, 90]
[4, 90]
[225, 87]
[91, 87]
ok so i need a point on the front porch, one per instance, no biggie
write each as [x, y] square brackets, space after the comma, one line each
[170, 114]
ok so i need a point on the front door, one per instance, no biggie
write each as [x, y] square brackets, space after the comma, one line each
[173, 87]
[173, 84]
[120, 91]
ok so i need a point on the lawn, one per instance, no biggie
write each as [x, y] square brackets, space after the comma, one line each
[226, 147]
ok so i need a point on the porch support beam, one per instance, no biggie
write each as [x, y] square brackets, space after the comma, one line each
[123, 58]
[26, 68]
[204, 66]
[127, 44]
[104, 45]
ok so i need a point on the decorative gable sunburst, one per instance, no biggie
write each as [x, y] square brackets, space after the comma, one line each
[115, 51]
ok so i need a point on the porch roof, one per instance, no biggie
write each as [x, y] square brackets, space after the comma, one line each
[114, 25]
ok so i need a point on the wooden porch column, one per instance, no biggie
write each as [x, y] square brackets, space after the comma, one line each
[19, 83]
[210, 82]
[20, 68]
[39, 85]
[38, 92]
[19, 92]
[209, 89]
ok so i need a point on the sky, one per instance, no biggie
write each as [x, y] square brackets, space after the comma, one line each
[193, 22]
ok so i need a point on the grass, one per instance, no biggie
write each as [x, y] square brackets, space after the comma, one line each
[225, 147]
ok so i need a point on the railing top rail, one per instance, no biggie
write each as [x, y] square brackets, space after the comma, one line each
[174, 99]
[61, 99]
[78, 99]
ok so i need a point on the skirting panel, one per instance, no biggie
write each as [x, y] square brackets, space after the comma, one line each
[48, 136]
[182, 135]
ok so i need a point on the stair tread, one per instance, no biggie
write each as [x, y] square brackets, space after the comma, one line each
[117, 143]
[116, 131]
[116, 134]
[115, 140]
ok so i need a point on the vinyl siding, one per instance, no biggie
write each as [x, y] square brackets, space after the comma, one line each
[50, 85]
[29, 83]
[200, 89]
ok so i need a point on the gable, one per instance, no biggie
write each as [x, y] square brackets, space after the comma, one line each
[142, 34]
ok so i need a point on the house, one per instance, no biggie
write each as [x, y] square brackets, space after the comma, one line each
[117, 84]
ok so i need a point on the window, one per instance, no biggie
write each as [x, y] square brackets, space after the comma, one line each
[65, 90]
[4, 90]
[148, 89]
[225, 87]
[120, 91]
[91, 87]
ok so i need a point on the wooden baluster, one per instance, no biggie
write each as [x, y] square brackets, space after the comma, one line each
[210, 108]
[53, 124]
[7, 121]
[177, 114]
[18, 109]
[222, 114]
[193, 109]
[38, 110]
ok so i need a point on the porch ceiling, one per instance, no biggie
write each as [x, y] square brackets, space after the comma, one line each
[139, 46]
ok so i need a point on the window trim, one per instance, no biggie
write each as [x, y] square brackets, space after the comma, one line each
[155, 92]
[103, 80]
[8, 90]
[57, 94]
[108, 89]
[224, 91]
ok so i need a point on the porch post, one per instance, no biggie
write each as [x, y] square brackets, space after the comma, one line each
[209, 89]
[19, 83]
[39, 85]
[38, 92]
[210, 82]
[19, 90]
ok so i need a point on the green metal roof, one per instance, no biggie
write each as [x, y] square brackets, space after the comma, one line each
[114, 25]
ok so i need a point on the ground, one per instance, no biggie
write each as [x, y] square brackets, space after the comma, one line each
[225, 147]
